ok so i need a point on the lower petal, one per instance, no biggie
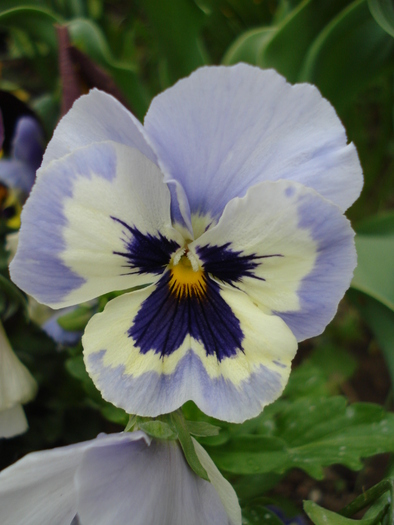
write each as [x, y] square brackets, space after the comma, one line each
[113, 483]
[230, 379]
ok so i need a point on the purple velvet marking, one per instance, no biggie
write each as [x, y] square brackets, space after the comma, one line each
[164, 320]
[45, 276]
[230, 266]
[321, 290]
[145, 253]
[152, 393]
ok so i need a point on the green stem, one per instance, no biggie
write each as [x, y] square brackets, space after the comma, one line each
[369, 497]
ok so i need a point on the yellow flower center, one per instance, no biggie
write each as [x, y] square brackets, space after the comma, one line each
[185, 281]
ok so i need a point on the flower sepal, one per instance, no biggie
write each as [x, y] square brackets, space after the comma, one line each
[174, 426]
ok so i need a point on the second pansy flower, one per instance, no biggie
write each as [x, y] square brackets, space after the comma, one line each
[227, 205]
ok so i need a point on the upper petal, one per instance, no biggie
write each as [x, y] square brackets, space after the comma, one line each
[96, 117]
[147, 484]
[288, 248]
[97, 220]
[224, 129]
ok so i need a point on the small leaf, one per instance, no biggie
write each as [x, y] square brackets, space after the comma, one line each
[77, 319]
[187, 445]
[157, 429]
[202, 429]
[383, 13]
[321, 516]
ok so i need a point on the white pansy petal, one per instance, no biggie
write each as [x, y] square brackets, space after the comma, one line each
[224, 129]
[97, 220]
[96, 117]
[17, 385]
[39, 488]
[149, 352]
[226, 492]
[288, 248]
[13, 422]
[145, 484]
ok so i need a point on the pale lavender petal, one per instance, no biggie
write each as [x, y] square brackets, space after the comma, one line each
[224, 129]
[96, 117]
[142, 484]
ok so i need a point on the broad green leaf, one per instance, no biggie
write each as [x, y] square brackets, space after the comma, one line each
[247, 47]
[286, 48]
[177, 25]
[380, 319]
[382, 224]
[311, 434]
[374, 273]
[383, 13]
[88, 37]
[38, 23]
[321, 516]
[350, 52]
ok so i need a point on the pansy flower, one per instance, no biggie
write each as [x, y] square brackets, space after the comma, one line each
[226, 210]
[114, 479]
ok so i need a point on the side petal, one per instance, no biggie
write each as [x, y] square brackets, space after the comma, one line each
[13, 422]
[97, 220]
[96, 117]
[28, 143]
[113, 483]
[288, 248]
[17, 385]
[224, 129]
[149, 354]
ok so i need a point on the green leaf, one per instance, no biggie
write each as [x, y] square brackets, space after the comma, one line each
[247, 48]
[11, 298]
[156, 428]
[380, 319]
[382, 224]
[202, 428]
[374, 272]
[321, 516]
[114, 414]
[177, 25]
[310, 434]
[38, 23]
[286, 49]
[88, 37]
[383, 13]
[187, 445]
[77, 319]
[348, 54]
